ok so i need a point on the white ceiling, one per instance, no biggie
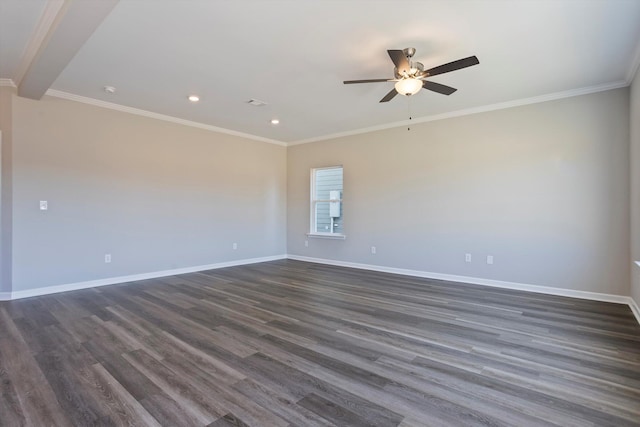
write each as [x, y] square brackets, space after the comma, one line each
[294, 54]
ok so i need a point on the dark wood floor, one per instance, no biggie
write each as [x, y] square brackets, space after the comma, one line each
[293, 343]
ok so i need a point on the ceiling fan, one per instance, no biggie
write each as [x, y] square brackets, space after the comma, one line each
[410, 76]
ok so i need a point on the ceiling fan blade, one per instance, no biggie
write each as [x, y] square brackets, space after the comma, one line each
[388, 97]
[399, 60]
[453, 66]
[437, 87]
[349, 82]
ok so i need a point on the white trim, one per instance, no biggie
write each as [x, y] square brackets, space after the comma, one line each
[632, 303]
[634, 309]
[6, 296]
[327, 236]
[313, 205]
[469, 111]
[631, 73]
[472, 280]
[403, 123]
[132, 278]
[157, 116]
[53, 10]
[7, 82]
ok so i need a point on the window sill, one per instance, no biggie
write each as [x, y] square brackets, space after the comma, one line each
[333, 236]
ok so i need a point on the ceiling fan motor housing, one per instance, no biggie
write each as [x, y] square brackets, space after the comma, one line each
[409, 52]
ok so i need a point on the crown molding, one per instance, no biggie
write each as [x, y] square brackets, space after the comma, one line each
[403, 123]
[7, 83]
[469, 111]
[123, 108]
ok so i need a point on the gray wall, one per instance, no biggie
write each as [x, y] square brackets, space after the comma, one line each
[155, 195]
[6, 125]
[543, 188]
[635, 187]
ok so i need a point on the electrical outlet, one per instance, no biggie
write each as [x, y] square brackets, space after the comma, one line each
[107, 258]
[489, 259]
[306, 243]
[44, 205]
[467, 257]
[373, 250]
[235, 246]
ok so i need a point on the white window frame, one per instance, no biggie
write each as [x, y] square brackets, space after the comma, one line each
[314, 202]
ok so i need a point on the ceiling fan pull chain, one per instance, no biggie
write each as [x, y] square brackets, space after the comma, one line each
[409, 112]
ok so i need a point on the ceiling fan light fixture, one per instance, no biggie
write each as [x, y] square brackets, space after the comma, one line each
[409, 76]
[408, 86]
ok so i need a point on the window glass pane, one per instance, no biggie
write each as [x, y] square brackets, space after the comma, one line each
[327, 180]
[326, 219]
[326, 201]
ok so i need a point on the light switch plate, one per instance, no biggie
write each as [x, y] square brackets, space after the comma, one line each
[44, 205]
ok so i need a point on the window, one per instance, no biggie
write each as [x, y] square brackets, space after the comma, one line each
[326, 202]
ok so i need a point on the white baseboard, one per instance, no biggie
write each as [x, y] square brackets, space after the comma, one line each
[634, 308]
[132, 278]
[479, 281]
[6, 296]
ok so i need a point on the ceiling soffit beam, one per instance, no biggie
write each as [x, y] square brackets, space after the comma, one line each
[48, 17]
[74, 22]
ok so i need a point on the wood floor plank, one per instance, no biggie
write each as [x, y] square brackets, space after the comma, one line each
[281, 405]
[221, 396]
[168, 412]
[332, 411]
[10, 409]
[200, 409]
[37, 400]
[124, 408]
[229, 420]
[136, 383]
[301, 382]
[74, 386]
[302, 344]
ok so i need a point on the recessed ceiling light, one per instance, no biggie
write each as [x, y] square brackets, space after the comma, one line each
[110, 89]
[275, 121]
[194, 98]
